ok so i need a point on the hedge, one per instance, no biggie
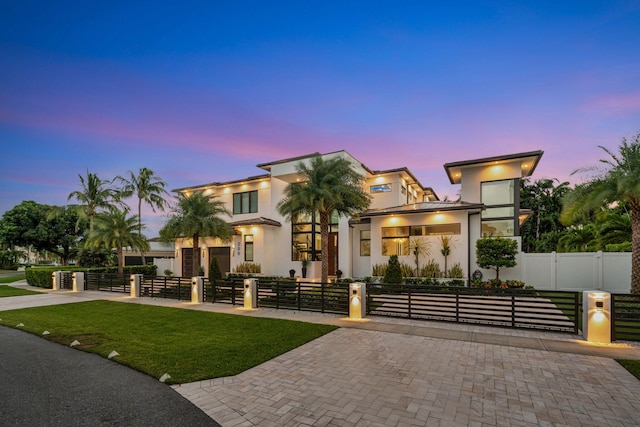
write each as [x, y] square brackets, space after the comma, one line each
[41, 277]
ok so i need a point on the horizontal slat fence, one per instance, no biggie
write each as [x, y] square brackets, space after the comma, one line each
[625, 317]
[551, 310]
[110, 282]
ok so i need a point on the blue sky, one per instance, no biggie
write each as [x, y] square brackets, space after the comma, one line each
[204, 91]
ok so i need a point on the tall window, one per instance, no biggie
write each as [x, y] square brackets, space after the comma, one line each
[246, 202]
[365, 242]
[501, 201]
[305, 236]
[248, 247]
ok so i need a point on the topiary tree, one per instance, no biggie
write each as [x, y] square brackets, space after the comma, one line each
[214, 269]
[393, 274]
[496, 253]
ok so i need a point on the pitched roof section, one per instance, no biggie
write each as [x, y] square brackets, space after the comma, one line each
[220, 184]
[424, 207]
[406, 170]
[256, 221]
[529, 161]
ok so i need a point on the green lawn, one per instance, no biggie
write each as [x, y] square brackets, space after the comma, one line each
[8, 291]
[11, 279]
[189, 345]
[632, 366]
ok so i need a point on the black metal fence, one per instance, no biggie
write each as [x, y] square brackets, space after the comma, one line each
[178, 288]
[110, 282]
[625, 317]
[515, 308]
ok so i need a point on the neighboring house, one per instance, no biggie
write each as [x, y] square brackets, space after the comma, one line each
[402, 210]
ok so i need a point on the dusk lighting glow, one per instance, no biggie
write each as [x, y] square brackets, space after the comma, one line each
[202, 92]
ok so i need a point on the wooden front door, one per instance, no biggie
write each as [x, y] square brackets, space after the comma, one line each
[187, 261]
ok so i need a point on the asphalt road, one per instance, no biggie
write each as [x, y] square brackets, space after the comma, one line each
[48, 384]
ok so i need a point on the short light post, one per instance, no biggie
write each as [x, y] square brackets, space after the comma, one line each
[78, 281]
[135, 284]
[357, 300]
[596, 316]
[197, 289]
[250, 294]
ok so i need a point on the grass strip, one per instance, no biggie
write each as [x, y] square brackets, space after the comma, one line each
[189, 345]
[9, 291]
[11, 279]
[632, 366]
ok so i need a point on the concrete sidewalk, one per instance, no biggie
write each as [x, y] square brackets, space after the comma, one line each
[387, 371]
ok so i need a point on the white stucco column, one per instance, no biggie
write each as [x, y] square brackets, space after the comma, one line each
[135, 284]
[78, 281]
[250, 293]
[357, 300]
[596, 316]
[197, 289]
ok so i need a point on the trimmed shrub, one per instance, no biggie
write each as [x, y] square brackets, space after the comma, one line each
[431, 270]
[456, 272]
[248, 267]
[393, 273]
[214, 269]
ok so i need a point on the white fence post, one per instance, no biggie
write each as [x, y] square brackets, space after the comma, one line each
[135, 283]
[357, 300]
[197, 289]
[250, 294]
[596, 316]
[78, 281]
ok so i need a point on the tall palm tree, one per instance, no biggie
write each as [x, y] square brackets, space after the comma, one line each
[619, 181]
[326, 186]
[615, 228]
[148, 188]
[95, 195]
[114, 229]
[197, 216]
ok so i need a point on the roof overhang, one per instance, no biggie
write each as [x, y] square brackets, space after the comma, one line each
[256, 222]
[425, 207]
[528, 163]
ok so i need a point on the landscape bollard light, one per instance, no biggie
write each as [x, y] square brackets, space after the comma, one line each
[197, 289]
[78, 281]
[250, 294]
[357, 301]
[596, 316]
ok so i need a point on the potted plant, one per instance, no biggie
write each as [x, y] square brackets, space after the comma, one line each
[305, 264]
[292, 273]
[338, 274]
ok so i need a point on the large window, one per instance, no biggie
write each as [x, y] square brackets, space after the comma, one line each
[365, 242]
[501, 201]
[305, 236]
[248, 247]
[246, 202]
[397, 240]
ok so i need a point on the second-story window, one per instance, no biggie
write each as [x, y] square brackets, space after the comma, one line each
[246, 202]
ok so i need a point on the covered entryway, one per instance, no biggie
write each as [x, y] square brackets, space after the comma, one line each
[187, 261]
[223, 253]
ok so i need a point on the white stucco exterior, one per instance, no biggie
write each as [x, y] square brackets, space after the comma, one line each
[400, 203]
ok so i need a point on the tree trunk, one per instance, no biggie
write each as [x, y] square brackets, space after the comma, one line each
[120, 261]
[324, 238]
[196, 255]
[635, 248]
[144, 261]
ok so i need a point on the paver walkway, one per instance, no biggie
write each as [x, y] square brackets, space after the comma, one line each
[400, 372]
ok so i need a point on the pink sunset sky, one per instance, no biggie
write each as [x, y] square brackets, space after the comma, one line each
[204, 91]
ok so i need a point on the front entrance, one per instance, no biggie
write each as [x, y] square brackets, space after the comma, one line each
[187, 261]
[223, 253]
[333, 253]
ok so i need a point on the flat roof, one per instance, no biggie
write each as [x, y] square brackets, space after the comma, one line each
[424, 207]
[529, 160]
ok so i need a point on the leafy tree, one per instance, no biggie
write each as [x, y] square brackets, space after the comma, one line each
[617, 181]
[9, 259]
[148, 188]
[96, 257]
[95, 196]
[326, 186]
[115, 230]
[30, 224]
[393, 273]
[540, 233]
[496, 253]
[197, 216]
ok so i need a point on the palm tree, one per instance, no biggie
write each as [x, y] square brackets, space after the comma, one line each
[197, 216]
[326, 186]
[95, 195]
[619, 181]
[148, 188]
[580, 238]
[114, 229]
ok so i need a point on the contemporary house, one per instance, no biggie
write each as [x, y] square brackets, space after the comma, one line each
[403, 212]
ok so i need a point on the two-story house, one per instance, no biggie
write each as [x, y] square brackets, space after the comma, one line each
[402, 211]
